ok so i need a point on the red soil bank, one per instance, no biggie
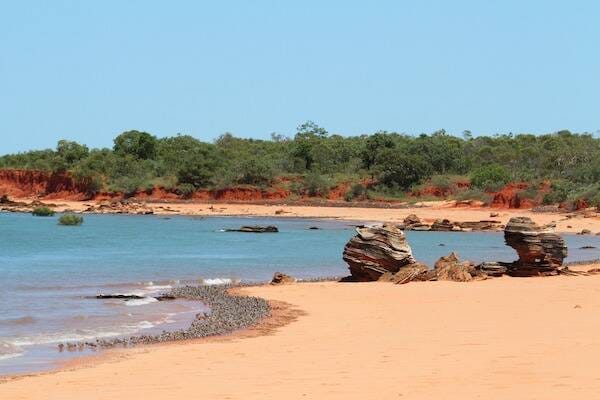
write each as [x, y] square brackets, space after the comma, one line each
[50, 185]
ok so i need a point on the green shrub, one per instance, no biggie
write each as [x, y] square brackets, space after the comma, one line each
[316, 185]
[529, 193]
[43, 212]
[70, 219]
[560, 192]
[490, 177]
[186, 190]
[357, 191]
[444, 183]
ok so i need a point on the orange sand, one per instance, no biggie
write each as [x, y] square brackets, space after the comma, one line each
[506, 338]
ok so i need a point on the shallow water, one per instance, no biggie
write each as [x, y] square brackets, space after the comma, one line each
[46, 270]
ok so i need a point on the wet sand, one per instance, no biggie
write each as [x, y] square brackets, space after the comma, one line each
[520, 338]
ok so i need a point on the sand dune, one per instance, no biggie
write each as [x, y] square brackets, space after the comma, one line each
[528, 338]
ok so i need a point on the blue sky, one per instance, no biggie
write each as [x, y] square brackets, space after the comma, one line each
[87, 71]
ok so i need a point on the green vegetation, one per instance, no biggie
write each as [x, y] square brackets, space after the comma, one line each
[70, 219]
[43, 211]
[313, 161]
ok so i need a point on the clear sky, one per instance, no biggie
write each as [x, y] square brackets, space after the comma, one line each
[87, 71]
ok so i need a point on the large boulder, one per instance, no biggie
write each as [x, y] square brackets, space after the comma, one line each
[540, 250]
[375, 250]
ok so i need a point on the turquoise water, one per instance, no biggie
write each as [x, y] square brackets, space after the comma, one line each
[46, 270]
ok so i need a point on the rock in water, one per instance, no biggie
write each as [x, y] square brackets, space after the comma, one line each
[255, 229]
[450, 268]
[540, 250]
[376, 250]
[279, 278]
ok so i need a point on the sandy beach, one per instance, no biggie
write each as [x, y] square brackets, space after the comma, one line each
[503, 338]
[428, 212]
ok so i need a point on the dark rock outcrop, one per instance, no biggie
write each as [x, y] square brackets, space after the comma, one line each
[279, 278]
[484, 225]
[118, 296]
[255, 229]
[540, 250]
[442, 225]
[491, 268]
[376, 250]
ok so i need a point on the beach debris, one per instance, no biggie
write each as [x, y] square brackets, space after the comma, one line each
[255, 229]
[375, 250]
[451, 268]
[279, 278]
[585, 232]
[540, 250]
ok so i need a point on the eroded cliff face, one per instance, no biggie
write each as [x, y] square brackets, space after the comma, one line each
[21, 183]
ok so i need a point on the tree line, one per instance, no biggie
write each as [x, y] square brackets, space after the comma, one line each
[392, 163]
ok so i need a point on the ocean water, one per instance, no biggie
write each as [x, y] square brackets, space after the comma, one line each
[47, 271]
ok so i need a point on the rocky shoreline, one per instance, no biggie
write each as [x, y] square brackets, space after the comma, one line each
[228, 313]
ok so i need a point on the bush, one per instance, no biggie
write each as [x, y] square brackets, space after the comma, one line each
[398, 170]
[316, 185]
[186, 190]
[529, 193]
[357, 191]
[491, 177]
[560, 192]
[70, 219]
[43, 212]
[254, 172]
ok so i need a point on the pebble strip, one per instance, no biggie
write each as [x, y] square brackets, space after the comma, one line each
[228, 313]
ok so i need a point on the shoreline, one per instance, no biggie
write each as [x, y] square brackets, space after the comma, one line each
[321, 311]
[428, 212]
[280, 314]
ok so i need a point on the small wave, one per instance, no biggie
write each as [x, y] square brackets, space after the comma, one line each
[26, 320]
[217, 281]
[140, 302]
[155, 288]
[8, 350]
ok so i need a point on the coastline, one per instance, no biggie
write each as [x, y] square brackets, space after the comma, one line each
[440, 337]
[427, 211]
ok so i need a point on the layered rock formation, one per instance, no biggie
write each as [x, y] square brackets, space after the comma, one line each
[451, 268]
[376, 250]
[279, 278]
[540, 250]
